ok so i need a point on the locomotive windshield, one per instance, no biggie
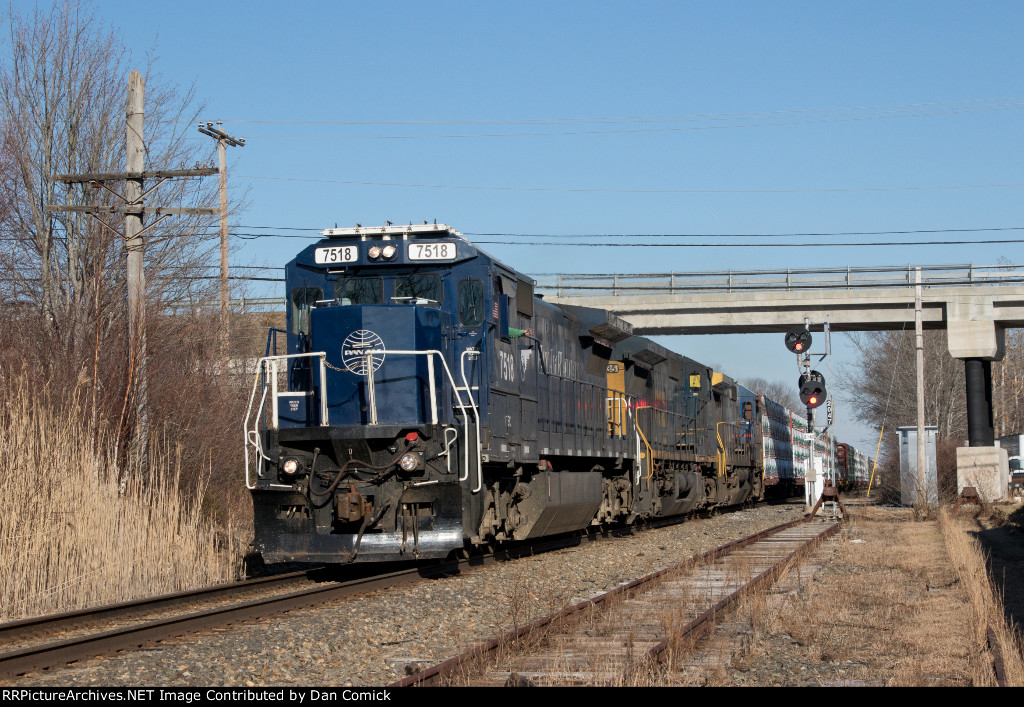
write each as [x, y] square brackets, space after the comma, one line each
[425, 285]
[364, 289]
[359, 290]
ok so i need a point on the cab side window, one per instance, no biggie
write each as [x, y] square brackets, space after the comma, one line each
[471, 303]
[303, 300]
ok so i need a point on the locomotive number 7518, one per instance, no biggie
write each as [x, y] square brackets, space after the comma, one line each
[336, 254]
[431, 251]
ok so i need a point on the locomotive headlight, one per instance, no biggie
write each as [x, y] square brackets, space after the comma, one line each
[373, 252]
[290, 466]
[409, 462]
[389, 252]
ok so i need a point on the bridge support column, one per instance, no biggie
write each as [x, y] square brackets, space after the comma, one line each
[972, 335]
[980, 428]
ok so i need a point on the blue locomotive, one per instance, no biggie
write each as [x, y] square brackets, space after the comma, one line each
[426, 402]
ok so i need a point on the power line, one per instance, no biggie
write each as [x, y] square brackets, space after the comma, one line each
[638, 118]
[743, 235]
[250, 235]
[621, 131]
[749, 245]
[597, 190]
[717, 244]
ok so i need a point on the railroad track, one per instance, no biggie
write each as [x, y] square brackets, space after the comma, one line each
[24, 646]
[607, 639]
[148, 621]
[53, 641]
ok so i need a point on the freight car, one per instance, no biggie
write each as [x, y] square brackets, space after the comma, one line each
[427, 402]
[854, 468]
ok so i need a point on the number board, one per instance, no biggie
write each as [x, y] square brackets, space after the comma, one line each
[336, 254]
[432, 251]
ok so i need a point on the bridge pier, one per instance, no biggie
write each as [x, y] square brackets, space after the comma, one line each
[973, 335]
[980, 428]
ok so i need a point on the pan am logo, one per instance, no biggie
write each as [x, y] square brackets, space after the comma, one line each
[354, 348]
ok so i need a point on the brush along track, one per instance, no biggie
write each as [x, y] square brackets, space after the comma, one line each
[605, 640]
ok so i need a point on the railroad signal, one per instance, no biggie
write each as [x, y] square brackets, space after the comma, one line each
[798, 340]
[812, 389]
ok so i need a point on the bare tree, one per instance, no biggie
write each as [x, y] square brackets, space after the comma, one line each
[62, 98]
[883, 382]
[63, 80]
[1008, 384]
[778, 391]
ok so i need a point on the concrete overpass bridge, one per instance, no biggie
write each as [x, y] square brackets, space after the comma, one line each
[974, 304]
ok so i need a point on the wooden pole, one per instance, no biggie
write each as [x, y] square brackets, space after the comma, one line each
[225, 328]
[135, 163]
[223, 141]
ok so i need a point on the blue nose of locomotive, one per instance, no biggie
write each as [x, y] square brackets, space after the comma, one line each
[401, 383]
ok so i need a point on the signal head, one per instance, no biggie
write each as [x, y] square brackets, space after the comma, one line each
[812, 389]
[798, 340]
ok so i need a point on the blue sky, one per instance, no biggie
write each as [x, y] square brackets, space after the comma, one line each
[733, 117]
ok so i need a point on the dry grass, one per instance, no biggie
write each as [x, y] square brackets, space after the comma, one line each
[986, 605]
[894, 602]
[79, 529]
[886, 610]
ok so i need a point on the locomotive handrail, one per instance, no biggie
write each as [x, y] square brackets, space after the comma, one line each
[638, 434]
[430, 353]
[469, 394]
[252, 437]
[650, 452]
[723, 451]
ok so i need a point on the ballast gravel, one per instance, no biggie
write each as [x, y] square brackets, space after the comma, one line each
[377, 638]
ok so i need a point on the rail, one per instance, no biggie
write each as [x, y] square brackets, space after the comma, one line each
[736, 568]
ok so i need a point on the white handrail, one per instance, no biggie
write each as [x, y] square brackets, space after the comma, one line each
[433, 394]
[469, 393]
[252, 437]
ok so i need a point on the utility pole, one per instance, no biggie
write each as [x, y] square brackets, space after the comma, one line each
[223, 140]
[135, 151]
[134, 211]
[922, 459]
